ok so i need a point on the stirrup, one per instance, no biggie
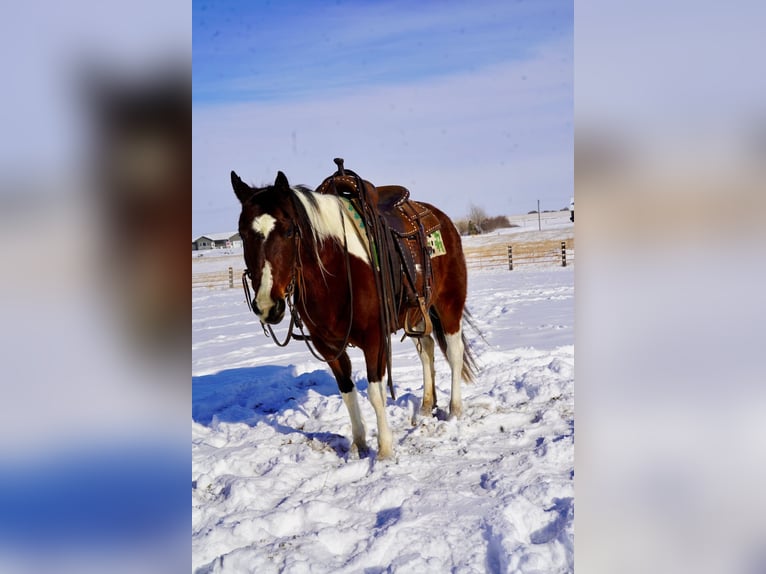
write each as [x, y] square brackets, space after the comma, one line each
[427, 324]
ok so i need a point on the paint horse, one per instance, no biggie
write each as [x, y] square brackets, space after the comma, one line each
[302, 250]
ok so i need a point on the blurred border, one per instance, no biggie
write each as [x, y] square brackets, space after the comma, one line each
[670, 117]
[95, 203]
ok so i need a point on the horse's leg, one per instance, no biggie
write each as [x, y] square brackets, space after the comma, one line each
[425, 348]
[341, 368]
[376, 391]
[455, 350]
[449, 331]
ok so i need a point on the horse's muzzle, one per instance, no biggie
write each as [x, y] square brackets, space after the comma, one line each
[275, 314]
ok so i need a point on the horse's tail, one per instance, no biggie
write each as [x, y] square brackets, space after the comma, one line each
[470, 369]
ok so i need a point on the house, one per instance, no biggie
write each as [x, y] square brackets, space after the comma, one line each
[217, 241]
[202, 242]
[235, 240]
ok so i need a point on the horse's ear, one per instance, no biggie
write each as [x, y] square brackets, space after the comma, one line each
[241, 189]
[281, 181]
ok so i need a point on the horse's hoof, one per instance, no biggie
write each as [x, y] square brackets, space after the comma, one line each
[427, 411]
[363, 451]
[360, 445]
[385, 453]
[455, 412]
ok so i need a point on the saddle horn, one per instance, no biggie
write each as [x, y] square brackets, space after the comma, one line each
[339, 162]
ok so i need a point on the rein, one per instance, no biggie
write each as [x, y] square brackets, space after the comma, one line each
[270, 332]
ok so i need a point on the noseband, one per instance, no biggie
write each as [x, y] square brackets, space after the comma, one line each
[248, 295]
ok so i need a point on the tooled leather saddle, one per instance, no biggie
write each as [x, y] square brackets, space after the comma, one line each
[397, 229]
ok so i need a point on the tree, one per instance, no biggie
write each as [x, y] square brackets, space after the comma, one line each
[477, 214]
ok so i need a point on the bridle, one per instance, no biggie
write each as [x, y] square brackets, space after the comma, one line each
[296, 279]
[267, 330]
[289, 296]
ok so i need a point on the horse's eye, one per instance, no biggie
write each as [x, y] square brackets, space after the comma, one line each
[289, 231]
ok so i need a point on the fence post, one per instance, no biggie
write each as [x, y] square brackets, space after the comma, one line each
[563, 253]
[510, 258]
[231, 278]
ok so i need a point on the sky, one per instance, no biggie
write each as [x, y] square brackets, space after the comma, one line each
[463, 103]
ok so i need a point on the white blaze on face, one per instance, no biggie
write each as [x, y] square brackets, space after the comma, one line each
[263, 298]
[263, 225]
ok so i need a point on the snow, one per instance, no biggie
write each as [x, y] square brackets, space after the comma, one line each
[276, 486]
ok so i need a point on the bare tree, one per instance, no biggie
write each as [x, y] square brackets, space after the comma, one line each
[476, 218]
[476, 214]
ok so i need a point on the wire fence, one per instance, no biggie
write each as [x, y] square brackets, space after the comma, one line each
[513, 256]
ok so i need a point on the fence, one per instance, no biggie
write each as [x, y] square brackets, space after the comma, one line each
[214, 279]
[549, 252]
[552, 252]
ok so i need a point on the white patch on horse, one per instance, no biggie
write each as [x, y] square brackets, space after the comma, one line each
[263, 224]
[455, 349]
[263, 298]
[357, 424]
[425, 348]
[326, 222]
[377, 395]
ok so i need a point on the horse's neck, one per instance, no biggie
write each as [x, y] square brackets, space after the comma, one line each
[324, 267]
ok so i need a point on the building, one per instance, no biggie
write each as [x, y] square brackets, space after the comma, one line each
[202, 242]
[217, 241]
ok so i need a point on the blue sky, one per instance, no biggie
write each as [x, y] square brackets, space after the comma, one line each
[463, 102]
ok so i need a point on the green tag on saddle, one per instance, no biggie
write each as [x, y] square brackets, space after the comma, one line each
[436, 244]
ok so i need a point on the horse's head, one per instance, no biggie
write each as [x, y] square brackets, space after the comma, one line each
[267, 225]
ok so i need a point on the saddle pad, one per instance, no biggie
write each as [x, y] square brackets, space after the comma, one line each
[359, 226]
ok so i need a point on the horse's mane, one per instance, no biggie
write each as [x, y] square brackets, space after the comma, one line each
[320, 218]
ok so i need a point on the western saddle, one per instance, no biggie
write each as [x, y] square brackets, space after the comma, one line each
[398, 231]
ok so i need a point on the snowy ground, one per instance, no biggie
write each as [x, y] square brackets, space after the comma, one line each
[276, 487]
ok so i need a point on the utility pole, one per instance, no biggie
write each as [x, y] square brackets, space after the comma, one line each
[539, 225]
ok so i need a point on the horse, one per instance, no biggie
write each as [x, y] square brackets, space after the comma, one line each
[303, 244]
